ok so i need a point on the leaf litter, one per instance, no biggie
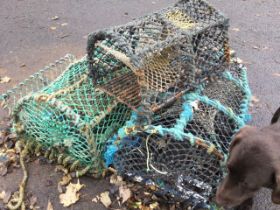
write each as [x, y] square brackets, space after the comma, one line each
[71, 195]
[50, 206]
[122, 194]
[5, 196]
[5, 79]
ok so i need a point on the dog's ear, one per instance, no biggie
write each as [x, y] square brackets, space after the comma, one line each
[240, 135]
[275, 196]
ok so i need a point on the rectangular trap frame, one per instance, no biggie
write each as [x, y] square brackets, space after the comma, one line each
[168, 52]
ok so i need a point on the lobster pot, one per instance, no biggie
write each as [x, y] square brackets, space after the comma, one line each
[182, 151]
[178, 169]
[69, 119]
[166, 53]
[182, 147]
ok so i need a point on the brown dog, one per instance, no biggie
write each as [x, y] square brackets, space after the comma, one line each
[254, 162]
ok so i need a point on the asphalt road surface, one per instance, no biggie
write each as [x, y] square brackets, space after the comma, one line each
[30, 39]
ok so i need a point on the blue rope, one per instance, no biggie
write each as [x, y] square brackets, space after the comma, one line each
[177, 132]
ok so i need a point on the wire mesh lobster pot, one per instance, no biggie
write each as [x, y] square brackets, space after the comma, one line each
[182, 148]
[167, 53]
[68, 119]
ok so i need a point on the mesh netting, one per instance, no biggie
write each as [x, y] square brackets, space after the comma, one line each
[69, 119]
[159, 98]
[167, 53]
[182, 148]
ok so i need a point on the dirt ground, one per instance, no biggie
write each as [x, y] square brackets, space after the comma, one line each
[30, 39]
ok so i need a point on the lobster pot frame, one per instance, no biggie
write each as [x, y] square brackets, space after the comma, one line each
[182, 148]
[167, 53]
[69, 120]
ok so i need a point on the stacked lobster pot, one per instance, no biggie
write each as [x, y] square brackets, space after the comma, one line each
[159, 99]
[188, 94]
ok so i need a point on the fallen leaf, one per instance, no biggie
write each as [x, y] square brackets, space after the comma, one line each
[65, 180]
[265, 48]
[95, 200]
[33, 201]
[22, 65]
[124, 193]
[232, 52]
[61, 168]
[105, 199]
[3, 170]
[276, 74]
[255, 100]
[59, 188]
[256, 47]
[237, 60]
[5, 196]
[5, 79]
[50, 206]
[53, 28]
[55, 17]
[71, 195]
[154, 205]
[116, 180]
[235, 29]
[64, 24]
[2, 140]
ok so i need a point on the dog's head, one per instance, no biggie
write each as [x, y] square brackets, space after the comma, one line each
[250, 167]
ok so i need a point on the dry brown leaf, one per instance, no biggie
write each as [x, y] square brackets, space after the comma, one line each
[105, 199]
[5, 79]
[256, 47]
[238, 60]
[276, 74]
[154, 205]
[61, 168]
[116, 180]
[235, 29]
[124, 193]
[71, 195]
[3, 169]
[59, 188]
[5, 196]
[265, 48]
[55, 17]
[255, 100]
[65, 180]
[95, 200]
[33, 201]
[50, 206]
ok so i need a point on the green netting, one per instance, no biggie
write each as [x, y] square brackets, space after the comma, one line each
[70, 118]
